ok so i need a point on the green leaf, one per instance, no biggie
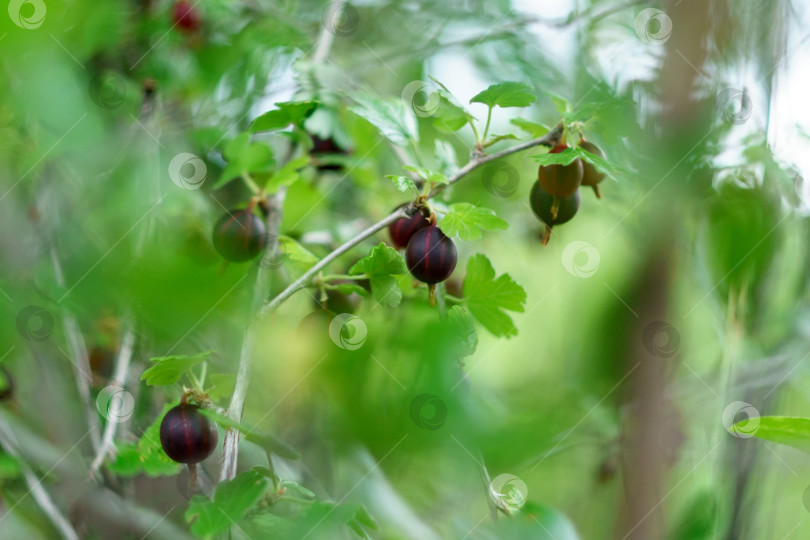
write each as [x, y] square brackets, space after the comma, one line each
[571, 154]
[147, 456]
[402, 183]
[487, 296]
[450, 115]
[463, 328]
[467, 221]
[289, 112]
[264, 440]
[351, 288]
[286, 175]
[232, 500]
[508, 94]
[243, 157]
[381, 265]
[428, 175]
[9, 467]
[566, 157]
[297, 254]
[446, 157]
[532, 128]
[788, 430]
[392, 117]
[222, 385]
[169, 369]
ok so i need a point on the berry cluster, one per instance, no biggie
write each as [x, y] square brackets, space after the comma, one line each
[555, 196]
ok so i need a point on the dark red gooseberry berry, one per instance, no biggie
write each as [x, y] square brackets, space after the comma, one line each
[326, 147]
[561, 180]
[186, 16]
[402, 229]
[590, 176]
[431, 256]
[239, 235]
[186, 435]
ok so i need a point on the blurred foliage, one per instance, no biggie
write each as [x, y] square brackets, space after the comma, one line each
[398, 420]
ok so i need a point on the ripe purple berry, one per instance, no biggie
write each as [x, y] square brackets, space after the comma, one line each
[239, 235]
[403, 229]
[431, 256]
[186, 435]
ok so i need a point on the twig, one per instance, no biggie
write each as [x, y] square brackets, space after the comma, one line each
[327, 38]
[9, 444]
[78, 350]
[549, 139]
[118, 380]
[230, 446]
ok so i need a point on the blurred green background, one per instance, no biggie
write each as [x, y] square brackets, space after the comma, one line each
[649, 318]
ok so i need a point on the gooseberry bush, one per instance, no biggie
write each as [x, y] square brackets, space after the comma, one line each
[386, 270]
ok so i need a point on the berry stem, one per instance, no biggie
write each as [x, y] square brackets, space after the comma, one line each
[192, 478]
[486, 129]
[252, 186]
[432, 294]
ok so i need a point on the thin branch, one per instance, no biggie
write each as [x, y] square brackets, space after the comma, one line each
[327, 38]
[549, 139]
[9, 444]
[118, 380]
[230, 446]
[78, 351]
